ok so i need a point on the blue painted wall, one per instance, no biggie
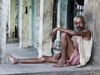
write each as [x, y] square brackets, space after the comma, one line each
[63, 14]
[30, 43]
[36, 24]
[33, 25]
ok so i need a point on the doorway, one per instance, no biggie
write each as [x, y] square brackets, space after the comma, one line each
[74, 7]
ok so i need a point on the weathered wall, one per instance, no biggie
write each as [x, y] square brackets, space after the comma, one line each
[16, 13]
[30, 43]
[91, 13]
[16, 20]
[12, 17]
[61, 20]
[34, 23]
[37, 24]
[24, 25]
[19, 17]
[63, 14]
[46, 8]
[2, 30]
[7, 21]
[97, 32]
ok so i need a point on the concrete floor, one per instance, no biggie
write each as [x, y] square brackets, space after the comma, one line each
[22, 53]
[41, 68]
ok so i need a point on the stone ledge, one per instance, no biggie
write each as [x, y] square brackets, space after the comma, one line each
[46, 69]
[12, 40]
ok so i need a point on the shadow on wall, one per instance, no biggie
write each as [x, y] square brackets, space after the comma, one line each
[89, 20]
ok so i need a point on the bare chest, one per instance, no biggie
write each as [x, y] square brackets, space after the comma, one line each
[75, 43]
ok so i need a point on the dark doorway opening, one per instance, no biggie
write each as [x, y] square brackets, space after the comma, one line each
[54, 24]
[74, 7]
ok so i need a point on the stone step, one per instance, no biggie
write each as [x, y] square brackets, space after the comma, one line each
[12, 40]
[46, 69]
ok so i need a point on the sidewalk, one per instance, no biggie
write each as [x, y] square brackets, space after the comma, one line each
[42, 68]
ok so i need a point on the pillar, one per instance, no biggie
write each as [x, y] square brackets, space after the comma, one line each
[61, 20]
[46, 8]
[2, 30]
[24, 23]
[63, 14]
[58, 40]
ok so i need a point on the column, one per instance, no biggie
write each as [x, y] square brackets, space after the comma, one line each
[24, 23]
[46, 8]
[61, 20]
[58, 40]
[63, 14]
[3, 31]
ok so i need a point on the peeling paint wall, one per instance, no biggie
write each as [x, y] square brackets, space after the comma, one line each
[2, 30]
[34, 23]
[46, 8]
[30, 42]
[97, 32]
[92, 15]
[63, 14]
[37, 24]
[24, 29]
[19, 3]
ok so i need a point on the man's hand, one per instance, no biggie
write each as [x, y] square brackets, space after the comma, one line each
[58, 56]
[53, 32]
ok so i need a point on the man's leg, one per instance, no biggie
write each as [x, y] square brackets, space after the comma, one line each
[67, 50]
[33, 60]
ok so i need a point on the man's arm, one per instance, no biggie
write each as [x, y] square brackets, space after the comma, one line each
[83, 33]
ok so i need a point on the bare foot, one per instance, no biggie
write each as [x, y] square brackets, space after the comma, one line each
[12, 59]
[60, 64]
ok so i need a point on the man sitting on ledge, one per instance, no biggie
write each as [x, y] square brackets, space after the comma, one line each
[75, 50]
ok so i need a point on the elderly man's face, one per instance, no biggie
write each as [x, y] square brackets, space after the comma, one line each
[79, 24]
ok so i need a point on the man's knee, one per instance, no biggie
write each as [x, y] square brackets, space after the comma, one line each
[43, 58]
[64, 35]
